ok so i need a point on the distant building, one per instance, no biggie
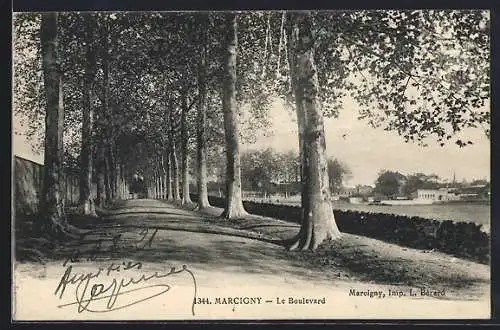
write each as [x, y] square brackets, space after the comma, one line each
[437, 195]
[475, 192]
[347, 192]
[359, 190]
[354, 195]
[364, 190]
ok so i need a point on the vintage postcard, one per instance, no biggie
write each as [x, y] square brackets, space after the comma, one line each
[251, 165]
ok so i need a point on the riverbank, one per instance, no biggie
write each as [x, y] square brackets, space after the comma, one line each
[457, 211]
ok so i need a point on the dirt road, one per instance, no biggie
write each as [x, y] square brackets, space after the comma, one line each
[354, 277]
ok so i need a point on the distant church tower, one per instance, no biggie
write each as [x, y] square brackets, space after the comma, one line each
[454, 178]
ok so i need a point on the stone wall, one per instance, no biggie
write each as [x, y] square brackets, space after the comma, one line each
[27, 176]
[461, 239]
[27, 185]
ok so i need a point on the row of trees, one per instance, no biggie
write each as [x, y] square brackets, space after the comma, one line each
[125, 86]
[269, 170]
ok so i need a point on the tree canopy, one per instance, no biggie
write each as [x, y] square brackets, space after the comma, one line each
[131, 82]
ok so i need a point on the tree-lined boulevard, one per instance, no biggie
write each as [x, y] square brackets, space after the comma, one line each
[151, 110]
[155, 92]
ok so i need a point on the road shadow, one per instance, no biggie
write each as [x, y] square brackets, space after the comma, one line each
[165, 238]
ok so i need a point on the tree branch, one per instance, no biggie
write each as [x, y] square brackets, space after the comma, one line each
[411, 76]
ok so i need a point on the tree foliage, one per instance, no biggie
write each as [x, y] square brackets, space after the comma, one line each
[420, 181]
[415, 72]
[338, 173]
[389, 183]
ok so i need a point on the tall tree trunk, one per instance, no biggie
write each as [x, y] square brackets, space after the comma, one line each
[168, 176]
[112, 170]
[293, 35]
[52, 220]
[118, 180]
[201, 140]
[234, 202]
[175, 173]
[107, 179]
[149, 186]
[159, 175]
[163, 187]
[117, 173]
[86, 166]
[101, 172]
[185, 153]
[173, 159]
[157, 179]
[123, 182]
[108, 155]
[160, 181]
[156, 187]
[167, 187]
[318, 221]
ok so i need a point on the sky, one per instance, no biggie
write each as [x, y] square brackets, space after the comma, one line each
[367, 150]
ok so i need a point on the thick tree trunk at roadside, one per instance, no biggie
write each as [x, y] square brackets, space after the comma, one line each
[162, 175]
[185, 153]
[117, 180]
[100, 189]
[157, 180]
[292, 34]
[106, 117]
[86, 204]
[234, 202]
[168, 177]
[100, 176]
[107, 178]
[201, 140]
[318, 221]
[173, 159]
[112, 170]
[123, 182]
[160, 182]
[156, 185]
[166, 187]
[52, 220]
[149, 188]
[175, 173]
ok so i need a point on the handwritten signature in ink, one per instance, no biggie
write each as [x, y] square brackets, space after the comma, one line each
[103, 286]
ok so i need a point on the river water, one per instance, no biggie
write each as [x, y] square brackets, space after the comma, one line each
[478, 213]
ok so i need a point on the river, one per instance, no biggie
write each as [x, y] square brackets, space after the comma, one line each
[466, 212]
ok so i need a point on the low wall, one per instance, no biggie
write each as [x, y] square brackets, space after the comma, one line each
[462, 239]
[28, 183]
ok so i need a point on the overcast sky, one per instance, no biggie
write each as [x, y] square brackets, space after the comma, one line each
[367, 150]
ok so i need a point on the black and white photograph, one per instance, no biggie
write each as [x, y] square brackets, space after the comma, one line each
[251, 165]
